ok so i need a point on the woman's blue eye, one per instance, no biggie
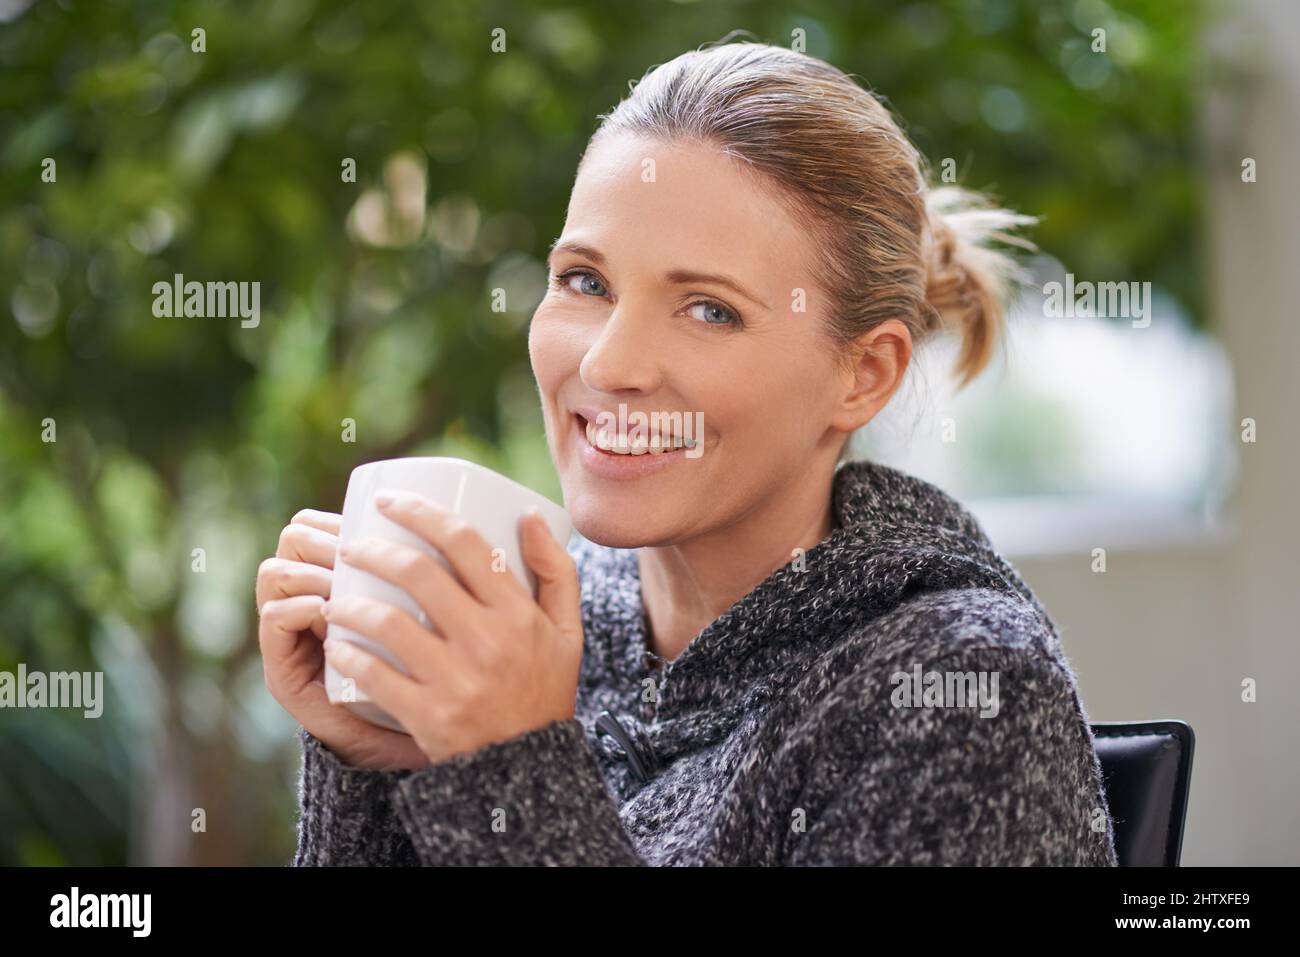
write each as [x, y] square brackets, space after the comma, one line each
[714, 314]
[585, 286]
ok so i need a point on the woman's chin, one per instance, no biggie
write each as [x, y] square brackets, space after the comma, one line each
[605, 526]
[611, 533]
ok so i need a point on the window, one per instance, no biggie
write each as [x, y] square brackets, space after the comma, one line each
[1082, 429]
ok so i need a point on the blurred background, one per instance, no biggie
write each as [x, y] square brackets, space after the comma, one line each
[134, 148]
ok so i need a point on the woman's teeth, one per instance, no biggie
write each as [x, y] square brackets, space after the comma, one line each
[639, 445]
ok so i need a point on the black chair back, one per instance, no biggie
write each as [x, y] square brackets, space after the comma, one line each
[1146, 769]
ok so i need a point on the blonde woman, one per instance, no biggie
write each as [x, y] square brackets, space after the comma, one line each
[755, 651]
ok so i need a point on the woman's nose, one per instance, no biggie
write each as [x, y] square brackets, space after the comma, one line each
[624, 356]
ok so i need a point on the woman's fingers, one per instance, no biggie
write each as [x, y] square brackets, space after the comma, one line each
[383, 684]
[425, 579]
[282, 622]
[480, 566]
[306, 543]
[302, 562]
[281, 578]
[330, 522]
[424, 653]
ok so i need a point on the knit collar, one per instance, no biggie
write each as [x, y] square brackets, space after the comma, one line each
[894, 535]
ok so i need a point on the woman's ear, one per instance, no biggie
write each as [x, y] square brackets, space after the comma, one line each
[874, 370]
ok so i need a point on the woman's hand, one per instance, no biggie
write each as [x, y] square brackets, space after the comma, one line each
[494, 663]
[291, 587]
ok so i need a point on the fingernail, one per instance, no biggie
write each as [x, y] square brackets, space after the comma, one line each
[383, 500]
[325, 609]
[344, 550]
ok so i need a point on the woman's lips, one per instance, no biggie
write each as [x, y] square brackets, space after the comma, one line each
[615, 465]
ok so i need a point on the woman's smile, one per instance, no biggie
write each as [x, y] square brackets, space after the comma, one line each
[606, 454]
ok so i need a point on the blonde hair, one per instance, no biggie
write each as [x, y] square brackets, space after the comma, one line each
[893, 247]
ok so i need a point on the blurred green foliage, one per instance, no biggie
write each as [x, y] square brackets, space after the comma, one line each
[179, 434]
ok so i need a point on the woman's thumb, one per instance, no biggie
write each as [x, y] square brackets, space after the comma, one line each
[558, 591]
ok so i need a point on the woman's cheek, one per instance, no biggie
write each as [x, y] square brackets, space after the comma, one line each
[541, 350]
[555, 356]
[557, 342]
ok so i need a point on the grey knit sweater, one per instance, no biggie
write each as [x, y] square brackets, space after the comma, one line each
[784, 733]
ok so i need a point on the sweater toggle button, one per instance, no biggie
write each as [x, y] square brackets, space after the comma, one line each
[640, 759]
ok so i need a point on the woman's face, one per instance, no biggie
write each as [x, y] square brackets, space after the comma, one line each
[638, 314]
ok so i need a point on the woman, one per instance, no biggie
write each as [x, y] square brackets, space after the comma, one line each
[757, 653]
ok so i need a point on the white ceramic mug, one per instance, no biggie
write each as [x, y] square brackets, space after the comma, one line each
[490, 502]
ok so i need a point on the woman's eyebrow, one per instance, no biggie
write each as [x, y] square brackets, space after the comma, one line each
[675, 276]
[578, 249]
[684, 276]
